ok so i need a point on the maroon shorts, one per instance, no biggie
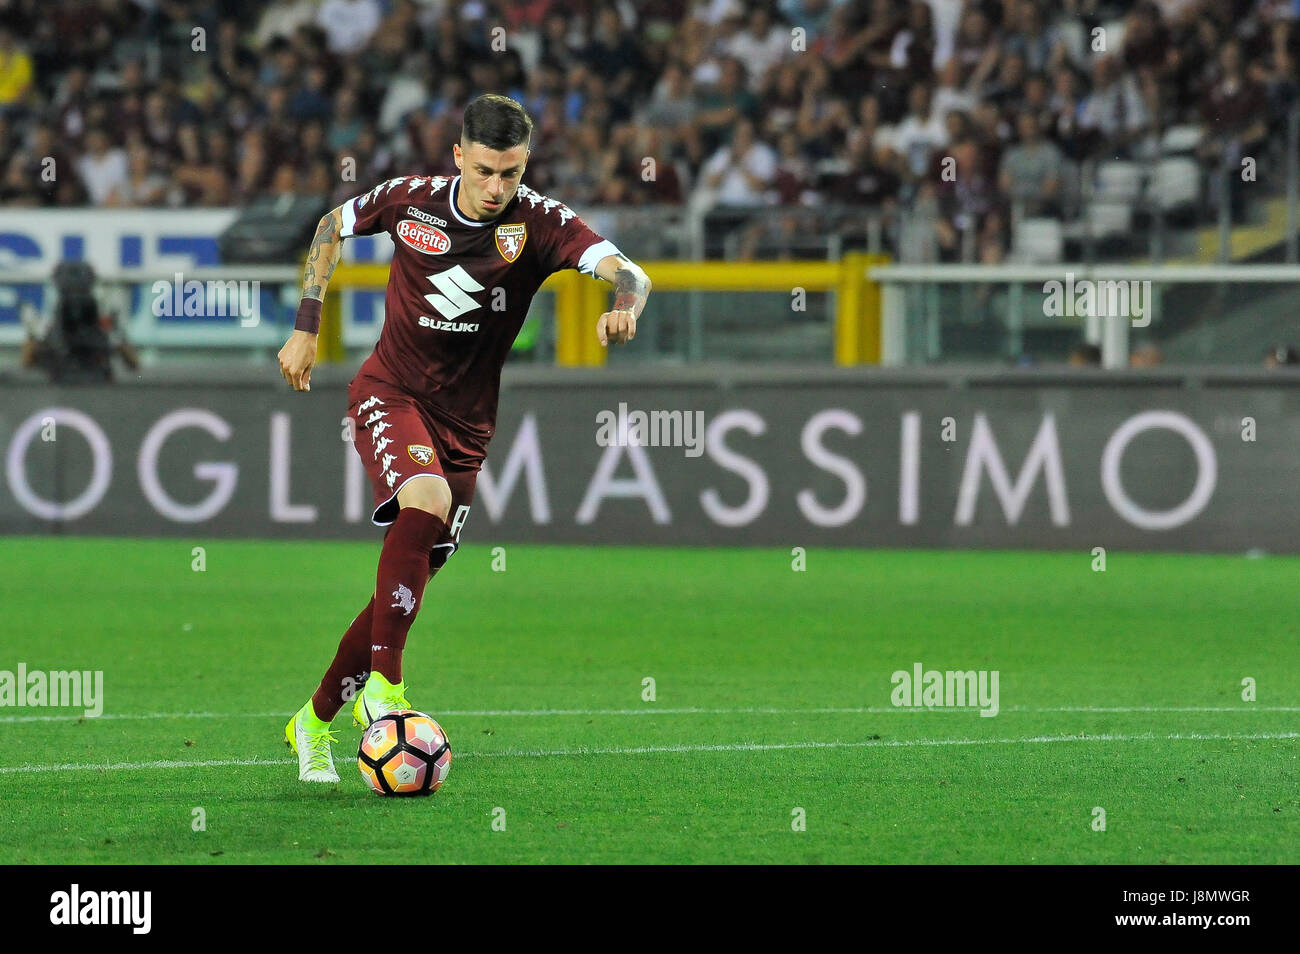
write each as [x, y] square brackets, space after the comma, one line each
[399, 440]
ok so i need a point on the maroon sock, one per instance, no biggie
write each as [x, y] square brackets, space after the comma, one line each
[403, 572]
[347, 673]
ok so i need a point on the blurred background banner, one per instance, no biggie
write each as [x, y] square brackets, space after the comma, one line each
[996, 459]
[862, 220]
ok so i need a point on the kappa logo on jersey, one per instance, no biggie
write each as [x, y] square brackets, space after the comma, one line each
[424, 216]
[422, 237]
[420, 453]
[510, 240]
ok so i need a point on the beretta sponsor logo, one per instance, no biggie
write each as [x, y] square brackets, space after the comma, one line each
[423, 238]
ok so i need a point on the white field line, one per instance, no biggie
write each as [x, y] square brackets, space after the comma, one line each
[673, 749]
[650, 710]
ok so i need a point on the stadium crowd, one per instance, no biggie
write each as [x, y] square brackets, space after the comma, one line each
[814, 103]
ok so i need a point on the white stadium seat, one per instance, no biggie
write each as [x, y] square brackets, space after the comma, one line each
[1176, 184]
[1038, 241]
[1119, 179]
[1180, 139]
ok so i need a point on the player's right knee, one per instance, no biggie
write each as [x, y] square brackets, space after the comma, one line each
[428, 494]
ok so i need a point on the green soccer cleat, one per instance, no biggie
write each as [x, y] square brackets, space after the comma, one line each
[305, 736]
[377, 699]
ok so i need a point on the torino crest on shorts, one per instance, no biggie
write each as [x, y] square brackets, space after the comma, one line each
[459, 290]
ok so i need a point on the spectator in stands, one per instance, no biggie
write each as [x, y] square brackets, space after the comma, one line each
[712, 13]
[1146, 41]
[144, 185]
[1084, 356]
[1030, 172]
[866, 180]
[346, 123]
[103, 168]
[17, 185]
[15, 73]
[1281, 355]
[282, 19]
[70, 104]
[911, 53]
[781, 98]
[971, 225]
[1148, 355]
[312, 99]
[843, 49]
[742, 173]
[793, 171]
[1115, 108]
[811, 16]
[201, 168]
[526, 14]
[665, 185]
[37, 175]
[1007, 89]
[1028, 39]
[158, 125]
[761, 46]
[722, 107]
[1234, 110]
[1065, 110]
[949, 95]
[946, 17]
[824, 119]
[977, 49]
[388, 93]
[349, 24]
[614, 56]
[919, 135]
[1276, 69]
[1036, 101]
[559, 43]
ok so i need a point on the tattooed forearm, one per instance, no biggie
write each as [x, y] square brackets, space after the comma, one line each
[631, 287]
[322, 256]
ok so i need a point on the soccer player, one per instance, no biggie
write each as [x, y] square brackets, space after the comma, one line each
[470, 253]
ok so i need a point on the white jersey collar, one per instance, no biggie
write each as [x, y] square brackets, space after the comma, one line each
[451, 198]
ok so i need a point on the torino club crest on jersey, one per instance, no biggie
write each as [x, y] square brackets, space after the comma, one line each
[510, 240]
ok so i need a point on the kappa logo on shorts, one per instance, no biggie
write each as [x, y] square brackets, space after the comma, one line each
[420, 453]
[511, 239]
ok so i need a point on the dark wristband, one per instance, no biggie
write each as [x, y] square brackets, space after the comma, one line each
[308, 316]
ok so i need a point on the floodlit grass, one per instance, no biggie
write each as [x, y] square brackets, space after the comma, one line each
[1119, 690]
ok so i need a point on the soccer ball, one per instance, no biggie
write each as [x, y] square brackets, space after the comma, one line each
[404, 753]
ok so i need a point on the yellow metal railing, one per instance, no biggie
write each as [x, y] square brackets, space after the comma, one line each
[580, 300]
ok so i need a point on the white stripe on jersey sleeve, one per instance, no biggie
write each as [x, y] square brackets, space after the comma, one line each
[592, 256]
[349, 212]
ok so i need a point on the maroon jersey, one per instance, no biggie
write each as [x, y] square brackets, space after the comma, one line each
[459, 289]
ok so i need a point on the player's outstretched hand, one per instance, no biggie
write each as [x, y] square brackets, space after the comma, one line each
[297, 358]
[618, 327]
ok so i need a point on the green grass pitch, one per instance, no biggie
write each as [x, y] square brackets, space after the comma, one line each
[1119, 690]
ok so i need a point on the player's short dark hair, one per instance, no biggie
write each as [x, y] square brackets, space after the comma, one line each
[497, 122]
